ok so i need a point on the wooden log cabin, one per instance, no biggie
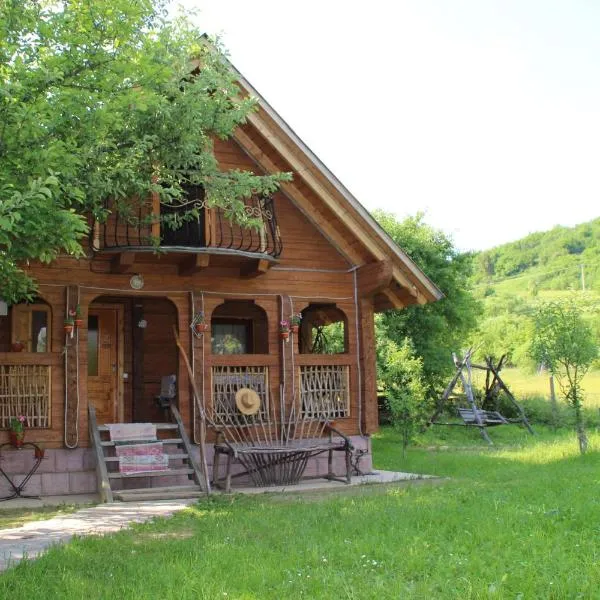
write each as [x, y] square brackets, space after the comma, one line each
[318, 253]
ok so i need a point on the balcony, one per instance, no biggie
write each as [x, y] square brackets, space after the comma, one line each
[211, 238]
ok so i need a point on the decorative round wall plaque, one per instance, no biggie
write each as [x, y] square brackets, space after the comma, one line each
[136, 282]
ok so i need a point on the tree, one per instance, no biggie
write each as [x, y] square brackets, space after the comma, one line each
[106, 100]
[405, 389]
[437, 329]
[564, 343]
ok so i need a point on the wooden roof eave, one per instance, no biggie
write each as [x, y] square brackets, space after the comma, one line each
[358, 220]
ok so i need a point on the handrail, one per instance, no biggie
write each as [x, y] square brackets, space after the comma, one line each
[104, 488]
[211, 230]
[200, 477]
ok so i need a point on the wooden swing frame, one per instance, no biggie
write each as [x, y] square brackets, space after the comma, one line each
[473, 416]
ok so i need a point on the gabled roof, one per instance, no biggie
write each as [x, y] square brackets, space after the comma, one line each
[407, 283]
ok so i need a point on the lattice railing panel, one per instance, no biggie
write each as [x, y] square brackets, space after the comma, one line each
[226, 381]
[25, 390]
[325, 391]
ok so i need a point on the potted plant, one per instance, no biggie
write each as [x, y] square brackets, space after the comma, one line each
[17, 346]
[200, 325]
[284, 330]
[295, 321]
[77, 317]
[69, 325]
[16, 433]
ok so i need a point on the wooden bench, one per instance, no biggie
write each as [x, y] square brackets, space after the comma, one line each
[282, 464]
[486, 417]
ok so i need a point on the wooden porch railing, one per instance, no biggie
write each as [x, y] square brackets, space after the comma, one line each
[227, 380]
[324, 391]
[25, 389]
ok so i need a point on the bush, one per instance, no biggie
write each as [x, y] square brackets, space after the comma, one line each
[405, 389]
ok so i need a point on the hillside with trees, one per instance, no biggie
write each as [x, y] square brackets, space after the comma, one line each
[548, 260]
[512, 280]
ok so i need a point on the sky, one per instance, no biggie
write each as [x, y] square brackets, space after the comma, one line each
[483, 115]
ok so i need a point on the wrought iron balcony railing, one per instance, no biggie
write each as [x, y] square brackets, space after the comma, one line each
[210, 230]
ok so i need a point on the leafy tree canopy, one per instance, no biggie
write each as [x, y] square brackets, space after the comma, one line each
[106, 100]
[564, 342]
[437, 329]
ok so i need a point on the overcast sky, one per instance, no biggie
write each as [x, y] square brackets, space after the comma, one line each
[484, 115]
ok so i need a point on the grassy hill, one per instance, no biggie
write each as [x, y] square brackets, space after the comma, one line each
[512, 279]
[543, 261]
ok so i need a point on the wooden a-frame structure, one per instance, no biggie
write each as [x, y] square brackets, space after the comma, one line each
[473, 415]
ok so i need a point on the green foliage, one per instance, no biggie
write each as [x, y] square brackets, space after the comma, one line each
[328, 339]
[437, 329]
[549, 260]
[404, 387]
[564, 343]
[108, 100]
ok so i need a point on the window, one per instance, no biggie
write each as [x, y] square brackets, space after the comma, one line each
[239, 327]
[31, 327]
[92, 345]
[231, 337]
[323, 330]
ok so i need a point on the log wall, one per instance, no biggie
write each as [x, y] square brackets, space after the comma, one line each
[313, 267]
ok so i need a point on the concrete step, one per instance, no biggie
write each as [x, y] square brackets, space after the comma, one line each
[115, 459]
[167, 441]
[164, 493]
[157, 425]
[167, 473]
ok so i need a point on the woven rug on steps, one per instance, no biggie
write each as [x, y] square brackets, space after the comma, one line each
[142, 458]
[132, 432]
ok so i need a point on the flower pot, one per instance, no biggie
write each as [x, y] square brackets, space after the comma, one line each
[79, 323]
[201, 327]
[17, 347]
[69, 329]
[39, 453]
[16, 438]
[284, 335]
[295, 328]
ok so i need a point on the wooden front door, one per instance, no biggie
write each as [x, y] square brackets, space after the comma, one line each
[103, 363]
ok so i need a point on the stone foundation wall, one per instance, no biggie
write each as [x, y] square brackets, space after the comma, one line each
[64, 472]
[61, 472]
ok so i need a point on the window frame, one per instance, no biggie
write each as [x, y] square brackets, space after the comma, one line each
[17, 313]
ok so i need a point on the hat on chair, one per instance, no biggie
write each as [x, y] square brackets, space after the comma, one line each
[247, 401]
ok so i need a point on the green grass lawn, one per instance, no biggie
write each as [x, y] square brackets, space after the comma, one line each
[520, 520]
[523, 384]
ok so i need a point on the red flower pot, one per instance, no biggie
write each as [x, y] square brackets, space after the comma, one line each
[285, 335]
[17, 347]
[201, 327]
[79, 323]
[16, 438]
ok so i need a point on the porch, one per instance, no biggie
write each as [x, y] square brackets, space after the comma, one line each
[116, 360]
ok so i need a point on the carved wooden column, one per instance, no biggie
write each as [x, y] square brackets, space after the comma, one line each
[71, 434]
[286, 350]
[200, 347]
[368, 365]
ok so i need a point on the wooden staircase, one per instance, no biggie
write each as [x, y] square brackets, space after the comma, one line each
[113, 485]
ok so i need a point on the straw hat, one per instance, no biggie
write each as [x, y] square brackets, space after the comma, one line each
[247, 401]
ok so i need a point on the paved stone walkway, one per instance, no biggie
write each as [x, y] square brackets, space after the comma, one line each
[32, 539]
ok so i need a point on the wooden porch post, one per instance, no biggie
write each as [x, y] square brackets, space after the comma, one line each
[368, 364]
[286, 351]
[71, 436]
